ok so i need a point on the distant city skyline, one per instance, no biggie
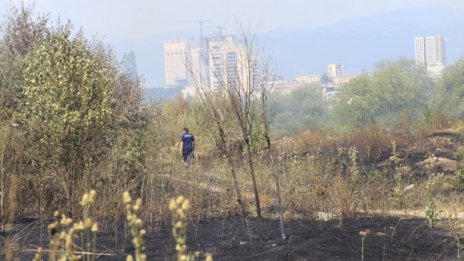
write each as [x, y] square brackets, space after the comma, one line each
[144, 25]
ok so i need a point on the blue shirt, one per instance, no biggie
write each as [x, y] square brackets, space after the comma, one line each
[187, 142]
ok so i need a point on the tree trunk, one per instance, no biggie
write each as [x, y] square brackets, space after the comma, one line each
[238, 192]
[278, 194]
[253, 179]
[255, 188]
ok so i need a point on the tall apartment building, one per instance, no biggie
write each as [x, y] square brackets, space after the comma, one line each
[218, 61]
[197, 67]
[335, 70]
[430, 52]
[419, 51]
[176, 57]
[225, 60]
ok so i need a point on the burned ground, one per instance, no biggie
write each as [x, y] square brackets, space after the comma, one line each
[388, 238]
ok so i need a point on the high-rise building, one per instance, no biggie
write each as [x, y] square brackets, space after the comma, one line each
[130, 65]
[335, 70]
[224, 64]
[197, 67]
[216, 62]
[176, 58]
[435, 50]
[430, 52]
[419, 51]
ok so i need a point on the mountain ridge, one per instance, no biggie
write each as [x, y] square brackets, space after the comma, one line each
[360, 43]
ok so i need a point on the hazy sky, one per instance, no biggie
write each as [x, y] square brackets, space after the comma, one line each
[137, 19]
[116, 21]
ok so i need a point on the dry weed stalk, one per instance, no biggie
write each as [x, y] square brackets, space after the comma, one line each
[363, 235]
[39, 255]
[64, 232]
[136, 227]
[11, 247]
[179, 208]
[458, 246]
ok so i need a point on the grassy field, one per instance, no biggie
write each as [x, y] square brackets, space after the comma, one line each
[405, 197]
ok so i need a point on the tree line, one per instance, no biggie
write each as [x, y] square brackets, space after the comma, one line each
[396, 92]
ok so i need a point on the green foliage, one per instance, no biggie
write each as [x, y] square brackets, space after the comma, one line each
[452, 90]
[20, 33]
[67, 111]
[199, 118]
[258, 140]
[297, 110]
[431, 212]
[70, 112]
[10, 85]
[67, 100]
[128, 156]
[395, 92]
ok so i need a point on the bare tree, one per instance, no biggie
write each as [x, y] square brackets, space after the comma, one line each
[266, 86]
[249, 99]
[209, 101]
[240, 89]
[236, 78]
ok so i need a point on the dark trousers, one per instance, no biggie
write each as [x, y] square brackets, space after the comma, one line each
[187, 155]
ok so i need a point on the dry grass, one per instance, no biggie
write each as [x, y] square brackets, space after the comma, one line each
[321, 178]
[11, 248]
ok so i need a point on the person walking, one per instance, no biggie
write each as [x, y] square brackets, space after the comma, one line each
[187, 145]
